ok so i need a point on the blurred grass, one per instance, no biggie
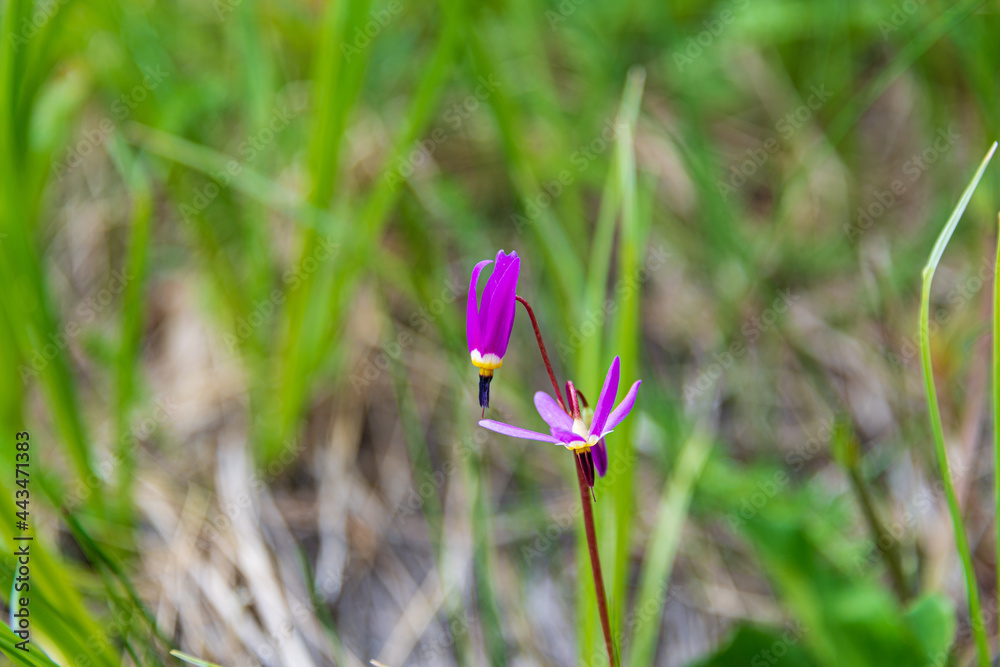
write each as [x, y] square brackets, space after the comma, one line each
[421, 138]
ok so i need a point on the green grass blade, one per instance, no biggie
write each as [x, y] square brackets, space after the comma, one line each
[904, 60]
[249, 181]
[59, 614]
[956, 215]
[547, 228]
[613, 514]
[662, 549]
[618, 514]
[133, 306]
[33, 658]
[961, 539]
[191, 660]
[996, 390]
[30, 309]
[311, 330]
[589, 354]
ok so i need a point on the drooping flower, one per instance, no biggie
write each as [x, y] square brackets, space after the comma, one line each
[489, 324]
[581, 434]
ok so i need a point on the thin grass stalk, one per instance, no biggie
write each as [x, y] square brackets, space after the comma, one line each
[937, 430]
[996, 399]
[954, 510]
[133, 311]
[620, 512]
[881, 534]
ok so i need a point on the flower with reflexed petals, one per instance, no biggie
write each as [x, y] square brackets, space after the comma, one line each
[489, 324]
[577, 434]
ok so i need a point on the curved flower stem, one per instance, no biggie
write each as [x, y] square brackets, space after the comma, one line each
[545, 355]
[595, 560]
[588, 512]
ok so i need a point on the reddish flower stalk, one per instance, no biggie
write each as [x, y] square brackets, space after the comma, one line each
[489, 327]
[595, 559]
[585, 486]
[545, 355]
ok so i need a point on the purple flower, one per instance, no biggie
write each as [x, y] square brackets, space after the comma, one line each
[488, 326]
[577, 434]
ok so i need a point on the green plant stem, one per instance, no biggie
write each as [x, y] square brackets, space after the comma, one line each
[996, 400]
[937, 430]
[890, 550]
[961, 538]
[595, 560]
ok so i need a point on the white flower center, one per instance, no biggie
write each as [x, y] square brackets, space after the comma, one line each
[582, 430]
[487, 361]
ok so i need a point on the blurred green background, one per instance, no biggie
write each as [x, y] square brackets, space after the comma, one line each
[235, 244]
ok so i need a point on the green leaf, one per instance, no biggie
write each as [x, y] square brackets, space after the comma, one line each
[758, 646]
[848, 620]
[932, 619]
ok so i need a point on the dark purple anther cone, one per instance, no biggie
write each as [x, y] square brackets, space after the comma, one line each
[484, 390]
[587, 459]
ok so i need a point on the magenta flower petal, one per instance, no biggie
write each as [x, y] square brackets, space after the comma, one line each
[565, 437]
[488, 327]
[600, 452]
[496, 335]
[503, 263]
[551, 412]
[505, 334]
[623, 408]
[515, 431]
[606, 400]
[472, 330]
